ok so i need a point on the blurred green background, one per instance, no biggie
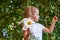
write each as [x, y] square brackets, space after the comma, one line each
[12, 11]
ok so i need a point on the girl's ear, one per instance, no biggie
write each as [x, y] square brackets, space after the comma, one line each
[30, 12]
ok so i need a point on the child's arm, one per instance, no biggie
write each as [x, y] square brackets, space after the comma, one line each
[54, 20]
[26, 34]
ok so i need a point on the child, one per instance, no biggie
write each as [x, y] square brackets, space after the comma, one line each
[31, 29]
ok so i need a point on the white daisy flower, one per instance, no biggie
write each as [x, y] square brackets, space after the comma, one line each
[28, 22]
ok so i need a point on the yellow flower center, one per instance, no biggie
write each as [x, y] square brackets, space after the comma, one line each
[29, 22]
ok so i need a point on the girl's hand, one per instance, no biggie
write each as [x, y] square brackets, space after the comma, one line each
[55, 19]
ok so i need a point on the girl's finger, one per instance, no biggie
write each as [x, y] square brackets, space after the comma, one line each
[55, 17]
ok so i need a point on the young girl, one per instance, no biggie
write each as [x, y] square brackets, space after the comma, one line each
[31, 29]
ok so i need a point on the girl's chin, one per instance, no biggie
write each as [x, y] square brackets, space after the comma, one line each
[36, 20]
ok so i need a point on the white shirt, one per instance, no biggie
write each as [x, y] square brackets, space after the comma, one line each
[36, 31]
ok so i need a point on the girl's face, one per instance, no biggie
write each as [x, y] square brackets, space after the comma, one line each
[35, 15]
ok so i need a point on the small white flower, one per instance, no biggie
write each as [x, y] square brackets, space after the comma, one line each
[11, 27]
[11, 1]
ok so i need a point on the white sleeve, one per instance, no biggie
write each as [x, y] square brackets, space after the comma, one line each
[43, 27]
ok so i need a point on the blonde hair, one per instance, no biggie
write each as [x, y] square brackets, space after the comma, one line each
[29, 11]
